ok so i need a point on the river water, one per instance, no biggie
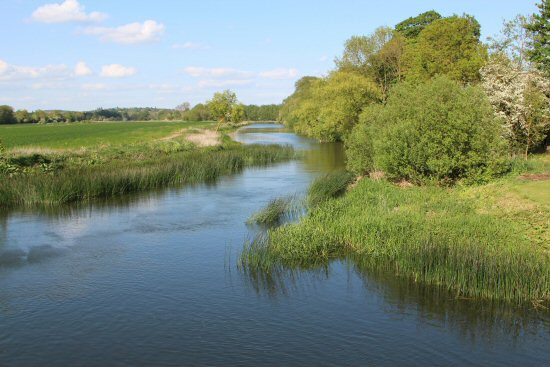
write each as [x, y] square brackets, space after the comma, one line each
[151, 280]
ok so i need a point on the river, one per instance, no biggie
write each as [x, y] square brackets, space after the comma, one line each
[151, 279]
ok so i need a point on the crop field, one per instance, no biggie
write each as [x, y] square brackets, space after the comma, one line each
[89, 134]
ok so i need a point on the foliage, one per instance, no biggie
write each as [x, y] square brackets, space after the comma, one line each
[331, 106]
[521, 99]
[225, 107]
[411, 27]
[430, 235]
[6, 115]
[540, 45]
[448, 46]
[437, 131]
[514, 40]
[378, 56]
[268, 112]
[303, 90]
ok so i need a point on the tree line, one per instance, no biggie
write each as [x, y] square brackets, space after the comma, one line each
[427, 100]
[183, 112]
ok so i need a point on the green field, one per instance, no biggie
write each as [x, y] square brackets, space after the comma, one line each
[89, 134]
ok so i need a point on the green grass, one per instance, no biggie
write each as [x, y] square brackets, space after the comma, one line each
[327, 187]
[276, 211]
[68, 179]
[89, 134]
[454, 239]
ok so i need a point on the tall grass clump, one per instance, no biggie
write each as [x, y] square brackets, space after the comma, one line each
[427, 234]
[145, 171]
[328, 186]
[277, 210]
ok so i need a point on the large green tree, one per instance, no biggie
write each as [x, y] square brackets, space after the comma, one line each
[450, 47]
[6, 115]
[540, 27]
[378, 56]
[412, 26]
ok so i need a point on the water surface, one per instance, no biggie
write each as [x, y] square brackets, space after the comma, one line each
[150, 279]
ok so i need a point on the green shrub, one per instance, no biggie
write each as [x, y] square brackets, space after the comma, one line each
[437, 131]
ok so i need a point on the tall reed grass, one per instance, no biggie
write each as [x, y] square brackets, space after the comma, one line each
[427, 234]
[82, 182]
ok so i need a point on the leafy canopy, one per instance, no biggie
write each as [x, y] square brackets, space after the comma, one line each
[436, 131]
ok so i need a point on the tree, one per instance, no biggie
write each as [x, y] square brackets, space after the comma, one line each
[514, 40]
[411, 27]
[521, 100]
[540, 44]
[225, 107]
[184, 107]
[448, 46]
[332, 105]
[23, 116]
[434, 131]
[378, 56]
[6, 115]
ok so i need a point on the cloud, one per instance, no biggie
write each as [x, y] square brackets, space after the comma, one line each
[67, 11]
[224, 83]
[279, 73]
[81, 69]
[117, 71]
[148, 31]
[191, 46]
[215, 72]
[323, 58]
[16, 72]
[221, 73]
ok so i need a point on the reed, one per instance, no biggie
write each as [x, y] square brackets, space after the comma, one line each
[430, 235]
[86, 178]
[328, 186]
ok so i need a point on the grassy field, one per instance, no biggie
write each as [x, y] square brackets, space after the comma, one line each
[489, 241]
[52, 165]
[90, 134]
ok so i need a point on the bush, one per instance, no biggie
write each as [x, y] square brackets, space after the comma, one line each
[437, 131]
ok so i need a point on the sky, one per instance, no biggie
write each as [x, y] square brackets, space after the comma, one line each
[85, 54]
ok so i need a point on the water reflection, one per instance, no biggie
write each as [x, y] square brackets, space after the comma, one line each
[471, 320]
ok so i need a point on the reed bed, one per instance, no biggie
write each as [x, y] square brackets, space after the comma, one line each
[429, 235]
[328, 186]
[128, 171]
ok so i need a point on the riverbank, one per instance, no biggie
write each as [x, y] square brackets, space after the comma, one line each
[45, 176]
[488, 241]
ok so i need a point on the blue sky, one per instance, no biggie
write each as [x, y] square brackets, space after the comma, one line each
[84, 54]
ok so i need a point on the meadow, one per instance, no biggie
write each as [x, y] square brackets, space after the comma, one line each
[89, 134]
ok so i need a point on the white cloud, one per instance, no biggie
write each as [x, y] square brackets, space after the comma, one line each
[93, 86]
[67, 11]
[81, 69]
[117, 71]
[148, 31]
[191, 46]
[279, 73]
[224, 83]
[220, 73]
[16, 72]
[3, 67]
[215, 72]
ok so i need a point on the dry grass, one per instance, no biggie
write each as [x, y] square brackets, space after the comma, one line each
[204, 138]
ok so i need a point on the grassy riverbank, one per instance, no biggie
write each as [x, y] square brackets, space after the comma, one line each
[487, 241]
[44, 176]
